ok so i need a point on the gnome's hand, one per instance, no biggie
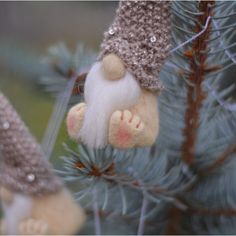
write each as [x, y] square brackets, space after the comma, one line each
[33, 227]
[75, 120]
[113, 67]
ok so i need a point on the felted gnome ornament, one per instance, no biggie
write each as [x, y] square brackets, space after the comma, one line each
[34, 200]
[121, 88]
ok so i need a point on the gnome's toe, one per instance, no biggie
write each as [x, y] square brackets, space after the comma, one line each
[33, 227]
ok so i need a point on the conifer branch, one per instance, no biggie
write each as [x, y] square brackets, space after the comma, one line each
[111, 176]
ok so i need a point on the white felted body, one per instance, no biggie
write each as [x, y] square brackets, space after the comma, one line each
[14, 213]
[103, 97]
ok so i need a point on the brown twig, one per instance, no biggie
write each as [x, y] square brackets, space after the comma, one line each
[220, 160]
[212, 212]
[195, 95]
[175, 216]
[80, 80]
[95, 171]
[79, 84]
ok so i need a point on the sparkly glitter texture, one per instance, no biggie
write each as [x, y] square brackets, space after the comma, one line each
[141, 26]
[23, 168]
[153, 39]
[6, 125]
[111, 31]
[30, 177]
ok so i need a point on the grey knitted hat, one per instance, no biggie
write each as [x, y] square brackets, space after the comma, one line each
[140, 36]
[23, 167]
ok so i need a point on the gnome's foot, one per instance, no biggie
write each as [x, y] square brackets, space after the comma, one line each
[33, 227]
[125, 129]
[75, 120]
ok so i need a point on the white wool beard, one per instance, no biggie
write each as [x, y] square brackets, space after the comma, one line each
[15, 212]
[103, 97]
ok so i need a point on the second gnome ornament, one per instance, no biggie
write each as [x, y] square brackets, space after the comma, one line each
[121, 88]
[33, 198]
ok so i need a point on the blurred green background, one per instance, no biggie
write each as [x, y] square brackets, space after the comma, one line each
[28, 29]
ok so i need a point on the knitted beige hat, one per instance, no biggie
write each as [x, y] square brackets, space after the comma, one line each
[140, 36]
[23, 167]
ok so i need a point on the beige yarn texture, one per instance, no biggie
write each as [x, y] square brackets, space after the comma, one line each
[140, 36]
[23, 167]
